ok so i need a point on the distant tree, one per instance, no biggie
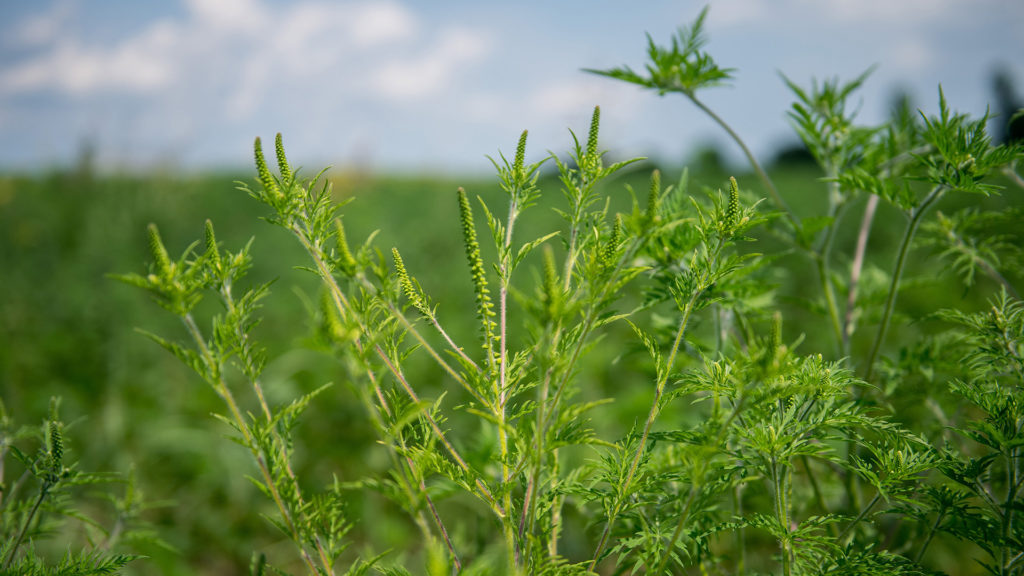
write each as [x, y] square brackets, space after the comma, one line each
[708, 158]
[793, 155]
[1009, 106]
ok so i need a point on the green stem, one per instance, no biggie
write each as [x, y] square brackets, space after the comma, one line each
[776, 198]
[830, 299]
[246, 353]
[908, 236]
[693, 491]
[485, 493]
[823, 252]
[544, 413]
[342, 305]
[989, 270]
[556, 508]
[818, 498]
[931, 534]
[741, 539]
[1009, 504]
[648, 424]
[43, 491]
[15, 488]
[864, 512]
[409, 473]
[782, 515]
[222, 389]
[1011, 171]
[655, 405]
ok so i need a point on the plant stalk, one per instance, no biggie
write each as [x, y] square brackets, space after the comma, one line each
[765, 180]
[268, 480]
[908, 236]
[648, 424]
[502, 384]
[856, 267]
[43, 491]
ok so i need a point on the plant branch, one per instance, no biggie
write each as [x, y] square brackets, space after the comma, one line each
[502, 383]
[484, 491]
[856, 267]
[236, 414]
[931, 534]
[776, 198]
[43, 491]
[864, 512]
[908, 236]
[648, 424]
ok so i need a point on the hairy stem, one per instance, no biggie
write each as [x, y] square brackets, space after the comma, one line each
[502, 384]
[485, 493]
[1011, 172]
[986, 267]
[819, 499]
[406, 324]
[341, 303]
[409, 472]
[546, 409]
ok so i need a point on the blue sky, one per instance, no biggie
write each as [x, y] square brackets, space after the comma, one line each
[436, 85]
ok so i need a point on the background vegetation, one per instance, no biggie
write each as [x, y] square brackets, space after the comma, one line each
[129, 407]
[68, 331]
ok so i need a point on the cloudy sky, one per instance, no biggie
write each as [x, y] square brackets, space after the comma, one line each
[438, 84]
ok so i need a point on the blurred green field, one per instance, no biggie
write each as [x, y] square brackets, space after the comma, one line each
[68, 330]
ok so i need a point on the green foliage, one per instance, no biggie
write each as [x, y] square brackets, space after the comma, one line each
[682, 67]
[761, 419]
[41, 503]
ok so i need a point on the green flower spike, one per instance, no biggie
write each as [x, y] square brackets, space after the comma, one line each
[282, 160]
[484, 305]
[164, 266]
[732, 213]
[263, 172]
[654, 197]
[411, 292]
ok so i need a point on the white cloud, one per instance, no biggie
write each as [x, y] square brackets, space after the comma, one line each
[375, 24]
[409, 78]
[251, 48]
[733, 12]
[579, 95]
[335, 42]
[141, 65]
[910, 54]
[230, 15]
[46, 27]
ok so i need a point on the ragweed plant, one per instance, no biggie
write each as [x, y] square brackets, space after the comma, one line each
[983, 503]
[44, 499]
[316, 524]
[748, 456]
